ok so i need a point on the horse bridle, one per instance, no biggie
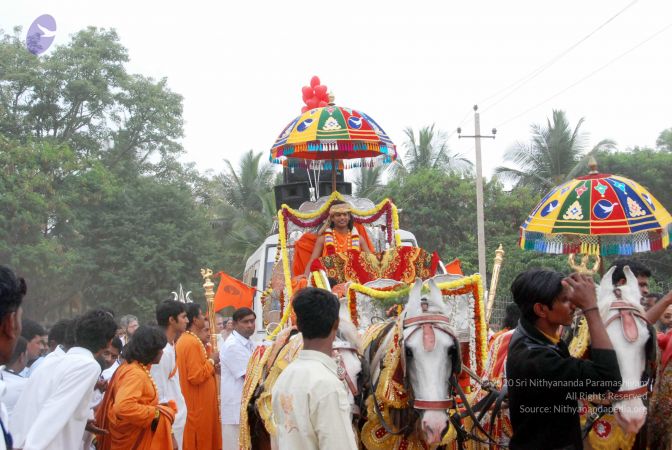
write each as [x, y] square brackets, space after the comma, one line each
[341, 371]
[429, 323]
[627, 313]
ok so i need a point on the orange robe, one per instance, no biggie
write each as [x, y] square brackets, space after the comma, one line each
[303, 248]
[128, 410]
[197, 380]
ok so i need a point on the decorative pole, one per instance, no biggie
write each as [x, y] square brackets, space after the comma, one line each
[209, 288]
[499, 257]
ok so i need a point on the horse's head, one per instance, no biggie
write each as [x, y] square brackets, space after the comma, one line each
[431, 354]
[623, 317]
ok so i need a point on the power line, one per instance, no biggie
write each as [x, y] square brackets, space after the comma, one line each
[530, 76]
[580, 80]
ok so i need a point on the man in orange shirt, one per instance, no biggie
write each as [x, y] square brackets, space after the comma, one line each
[197, 379]
[130, 410]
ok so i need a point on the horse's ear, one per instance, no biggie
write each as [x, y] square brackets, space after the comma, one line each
[630, 290]
[606, 289]
[414, 297]
[435, 297]
[343, 310]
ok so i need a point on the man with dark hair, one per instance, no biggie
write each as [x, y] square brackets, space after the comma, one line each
[650, 299]
[172, 318]
[130, 409]
[52, 410]
[36, 336]
[544, 380]
[234, 356]
[199, 387]
[12, 291]
[14, 382]
[56, 334]
[310, 403]
[655, 311]
[111, 357]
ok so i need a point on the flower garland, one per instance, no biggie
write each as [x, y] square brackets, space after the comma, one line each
[146, 369]
[205, 352]
[286, 312]
[395, 225]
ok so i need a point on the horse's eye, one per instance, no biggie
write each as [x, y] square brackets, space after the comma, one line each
[409, 353]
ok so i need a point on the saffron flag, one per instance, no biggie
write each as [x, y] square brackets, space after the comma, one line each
[454, 267]
[232, 292]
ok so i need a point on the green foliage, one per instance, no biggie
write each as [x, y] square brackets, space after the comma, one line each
[664, 141]
[554, 154]
[429, 151]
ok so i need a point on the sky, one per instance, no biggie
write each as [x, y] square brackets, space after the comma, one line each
[240, 66]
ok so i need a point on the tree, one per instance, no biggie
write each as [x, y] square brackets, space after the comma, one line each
[555, 154]
[664, 141]
[247, 209]
[369, 182]
[429, 151]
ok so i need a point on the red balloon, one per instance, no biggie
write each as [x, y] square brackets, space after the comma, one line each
[315, 81]
[312, 102]
[304, 109]
[320, 91]
[307, 92]
[322, 104]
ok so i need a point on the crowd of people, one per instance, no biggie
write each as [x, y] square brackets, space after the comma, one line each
[97, 382]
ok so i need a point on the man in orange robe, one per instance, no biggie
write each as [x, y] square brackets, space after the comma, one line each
[339, 234]
[197, 380]
[130, 410]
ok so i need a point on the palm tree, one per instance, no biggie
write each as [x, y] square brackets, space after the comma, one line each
[429, 151]
[368, 183]
[247, 212]
[555, 154]
[245, 189]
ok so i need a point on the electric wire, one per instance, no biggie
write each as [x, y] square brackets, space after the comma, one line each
[534, 73]
[580, 80]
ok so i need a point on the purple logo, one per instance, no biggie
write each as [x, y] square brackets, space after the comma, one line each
[41, 34]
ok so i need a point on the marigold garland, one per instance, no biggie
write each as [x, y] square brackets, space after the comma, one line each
[286, 312]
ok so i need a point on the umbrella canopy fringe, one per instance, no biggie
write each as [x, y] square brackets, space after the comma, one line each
[606, 245]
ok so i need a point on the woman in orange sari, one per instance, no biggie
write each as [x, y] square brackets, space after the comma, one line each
[130, 410]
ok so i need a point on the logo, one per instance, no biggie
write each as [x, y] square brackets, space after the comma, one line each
[41, 34]
[603, 209]
[231, 290]
[549, 208]
[355, 122]
[303, 126]
[646, 197]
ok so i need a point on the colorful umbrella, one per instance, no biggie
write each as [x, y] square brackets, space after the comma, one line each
[598, 214]
[320, 137]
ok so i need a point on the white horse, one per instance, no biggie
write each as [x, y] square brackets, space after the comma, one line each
[429, 357]
[626, 325]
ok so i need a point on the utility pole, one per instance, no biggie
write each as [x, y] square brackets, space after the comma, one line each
[480, 221]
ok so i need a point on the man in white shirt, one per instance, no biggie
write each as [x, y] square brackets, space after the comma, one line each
[310, 405]
[52, 411]
[14, 382]
[171, 315]
[12, 291]
[59, 342]
[36, 336]
[234, 356]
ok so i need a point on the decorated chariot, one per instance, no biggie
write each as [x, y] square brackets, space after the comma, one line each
[397, 298]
